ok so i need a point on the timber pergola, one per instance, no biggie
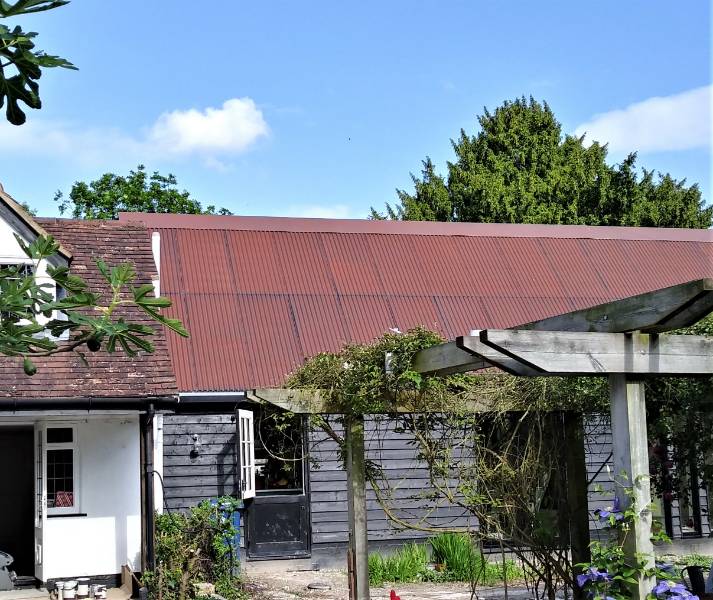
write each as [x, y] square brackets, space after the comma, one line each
[620, 339]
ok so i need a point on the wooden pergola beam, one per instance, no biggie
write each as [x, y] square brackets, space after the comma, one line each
[658, 311]
[582, 354]
[314, 402]
[465, 354]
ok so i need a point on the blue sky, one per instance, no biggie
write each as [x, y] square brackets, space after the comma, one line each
[323, 108]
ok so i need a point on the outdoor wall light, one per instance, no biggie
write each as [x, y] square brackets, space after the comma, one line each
[196, 449]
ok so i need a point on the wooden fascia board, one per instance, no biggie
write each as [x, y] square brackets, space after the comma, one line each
[23, 222]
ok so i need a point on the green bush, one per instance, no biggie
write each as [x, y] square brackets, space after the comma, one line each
[194, 547]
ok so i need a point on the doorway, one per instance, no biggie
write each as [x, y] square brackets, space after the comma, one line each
[278, 517]
[17, 524]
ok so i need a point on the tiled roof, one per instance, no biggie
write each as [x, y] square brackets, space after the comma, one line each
[106, 375]
[260, 295]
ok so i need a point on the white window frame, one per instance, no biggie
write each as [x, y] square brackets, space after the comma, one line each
[74, 446]
[246, 453]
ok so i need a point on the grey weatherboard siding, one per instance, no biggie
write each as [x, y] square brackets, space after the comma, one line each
[212, 473]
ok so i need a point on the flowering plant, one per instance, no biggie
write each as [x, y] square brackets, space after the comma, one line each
[612, 515]
[610, 575]
[670, 590]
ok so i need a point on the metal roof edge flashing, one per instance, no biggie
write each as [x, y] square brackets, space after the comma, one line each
[420, 228]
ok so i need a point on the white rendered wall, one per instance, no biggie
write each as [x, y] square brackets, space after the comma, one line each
[11, 253]
[109, 536]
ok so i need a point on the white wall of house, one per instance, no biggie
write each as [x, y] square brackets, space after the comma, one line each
[12, 254]
[109, 488]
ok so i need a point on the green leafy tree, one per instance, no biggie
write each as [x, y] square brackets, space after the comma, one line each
[90, 319]
[521, 168]
[111, 194]
[20, 63]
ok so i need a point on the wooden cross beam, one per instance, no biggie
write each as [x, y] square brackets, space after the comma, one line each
[582, 354]
[466, 353]
[661, 310]
[652, 312]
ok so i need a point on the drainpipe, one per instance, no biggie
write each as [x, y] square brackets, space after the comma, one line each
[148, 488]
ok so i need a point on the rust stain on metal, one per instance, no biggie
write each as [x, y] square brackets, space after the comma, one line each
[260, 295]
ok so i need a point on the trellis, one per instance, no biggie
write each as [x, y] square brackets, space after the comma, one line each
[619, 339]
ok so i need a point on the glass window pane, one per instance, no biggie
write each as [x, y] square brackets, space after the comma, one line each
[59, 435]
[60, 478]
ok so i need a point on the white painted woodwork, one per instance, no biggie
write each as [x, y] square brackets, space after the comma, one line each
[107, 534]
[246, 444]
[158, 462]
[631, 467]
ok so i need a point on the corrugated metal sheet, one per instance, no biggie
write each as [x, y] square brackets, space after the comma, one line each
[260, 295]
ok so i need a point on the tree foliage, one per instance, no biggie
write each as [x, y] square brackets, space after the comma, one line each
[21, 64]
[88, 319]
[111, 194]
[521, 168]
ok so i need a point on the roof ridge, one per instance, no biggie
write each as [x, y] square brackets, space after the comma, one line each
[420, 228]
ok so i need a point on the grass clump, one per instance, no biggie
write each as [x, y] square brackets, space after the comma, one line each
[463, 561]
[408, 564]
[458, 557]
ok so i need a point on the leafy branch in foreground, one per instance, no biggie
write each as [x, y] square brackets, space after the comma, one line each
[20, 63]
[84, 316]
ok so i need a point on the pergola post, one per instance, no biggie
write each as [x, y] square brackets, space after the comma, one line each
[631, 469]
[356, 496]
[577, 508]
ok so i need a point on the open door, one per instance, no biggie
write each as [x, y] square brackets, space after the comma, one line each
[278, 517]
[17, 497]
[40, 500]
[246, 453]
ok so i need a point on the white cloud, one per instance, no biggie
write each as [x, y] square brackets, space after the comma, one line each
[210, 134]
[318, 211]
[663, 123]
[230, 129]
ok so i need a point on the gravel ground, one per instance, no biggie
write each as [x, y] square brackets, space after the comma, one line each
[291, 585]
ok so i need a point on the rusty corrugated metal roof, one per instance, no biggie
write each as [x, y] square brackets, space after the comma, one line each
[260, 295]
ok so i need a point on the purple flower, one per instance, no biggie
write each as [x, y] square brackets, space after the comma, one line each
[670, 590]
[615, 511]
[592, 574]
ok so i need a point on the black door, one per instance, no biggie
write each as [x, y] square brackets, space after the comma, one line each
[17, 471]
[278, 517]
[278, 527]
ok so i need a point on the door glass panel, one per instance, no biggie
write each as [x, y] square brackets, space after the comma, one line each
[60, 478]
[279, 453]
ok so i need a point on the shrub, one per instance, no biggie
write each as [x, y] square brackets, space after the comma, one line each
[195, 547]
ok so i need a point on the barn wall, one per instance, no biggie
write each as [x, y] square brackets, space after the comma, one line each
[394, 452]
[598, 441]
[188, 479]
[407, 476]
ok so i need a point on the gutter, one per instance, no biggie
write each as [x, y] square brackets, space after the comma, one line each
[196, 402]
[186, 402]
[86, 404]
